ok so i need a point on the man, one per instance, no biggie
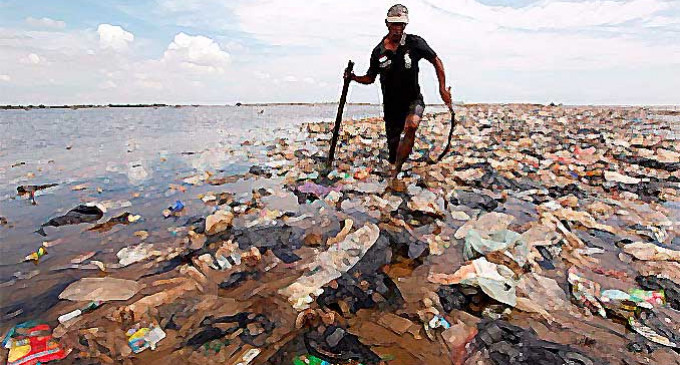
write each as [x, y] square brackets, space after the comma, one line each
[395, 59]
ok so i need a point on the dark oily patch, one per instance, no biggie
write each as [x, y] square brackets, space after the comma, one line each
[346, 346]
[473, 200]
[508, 344]
[80, 214]
[237, 278]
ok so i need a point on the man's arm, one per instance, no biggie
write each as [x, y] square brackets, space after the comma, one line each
[426, 52]
[441, 76]
[366, 79]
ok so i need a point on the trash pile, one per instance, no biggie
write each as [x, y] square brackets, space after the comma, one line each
[548, 235]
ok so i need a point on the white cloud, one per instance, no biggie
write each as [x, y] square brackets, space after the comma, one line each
[261, 75]
[31, 59]
[309, 23]
[198, 14]
[478, 43]
[5, 78]
[467, 32]
[555, 14]
[180, 5]
[45, 23]
[662, 21]
[34, 58]
[234, 46]
[584, 51]
[114, 37]
[196, 53]
[149, 84]
[108, 84]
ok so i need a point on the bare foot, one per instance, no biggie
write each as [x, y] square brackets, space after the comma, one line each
[397, 185]
[394, 172]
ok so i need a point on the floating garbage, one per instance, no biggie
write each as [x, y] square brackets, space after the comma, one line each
[649, 333]
[309, 360]
[497, 281]
[585, 292]
[218, 222]
[316, 189]
[35, 256]
[140, 339]
[130, 255]
[174, 209]
[32, 343]
[101, 289]
[657, 298]
[73, 314]
[124, 219]
[30, 190]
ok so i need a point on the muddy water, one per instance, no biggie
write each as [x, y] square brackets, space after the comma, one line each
[124, 159]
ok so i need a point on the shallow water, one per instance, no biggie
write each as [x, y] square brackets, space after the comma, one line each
[72, 145]
[124, 158]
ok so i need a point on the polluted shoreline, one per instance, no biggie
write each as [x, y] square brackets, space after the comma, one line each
[547, 235]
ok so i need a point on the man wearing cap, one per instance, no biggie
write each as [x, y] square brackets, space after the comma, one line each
[395, 59]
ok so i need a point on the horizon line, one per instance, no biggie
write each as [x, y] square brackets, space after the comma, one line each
[238, 104]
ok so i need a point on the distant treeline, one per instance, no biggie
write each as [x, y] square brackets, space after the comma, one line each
[79, 106]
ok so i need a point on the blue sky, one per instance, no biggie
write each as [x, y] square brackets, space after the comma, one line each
[224, 51]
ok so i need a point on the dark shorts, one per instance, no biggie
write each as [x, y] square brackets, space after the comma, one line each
[395, 119]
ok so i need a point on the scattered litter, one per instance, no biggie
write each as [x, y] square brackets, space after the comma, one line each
[35, 256]
[218, 222]
[100, 289]
[538, 216]
[585, 292]
[140, 339]
[70, 315]
[32, 343]
[318, 190]
[130, 255]
[30, 190]
[174, 209]
[649, 333]
[124, 219]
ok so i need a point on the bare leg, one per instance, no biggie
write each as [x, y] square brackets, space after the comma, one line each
[406, 144]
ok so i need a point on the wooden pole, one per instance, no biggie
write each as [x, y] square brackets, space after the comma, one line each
[338, 118]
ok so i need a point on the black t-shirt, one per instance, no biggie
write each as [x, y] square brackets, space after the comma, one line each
[398, 70]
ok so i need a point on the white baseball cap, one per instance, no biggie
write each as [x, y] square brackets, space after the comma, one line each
[397, 14]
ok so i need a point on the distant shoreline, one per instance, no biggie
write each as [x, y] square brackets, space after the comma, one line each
[159, 105]
[659, 109]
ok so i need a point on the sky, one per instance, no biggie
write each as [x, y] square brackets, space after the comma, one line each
[225, 51]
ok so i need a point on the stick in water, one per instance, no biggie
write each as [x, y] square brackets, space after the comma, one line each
[338, 118]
